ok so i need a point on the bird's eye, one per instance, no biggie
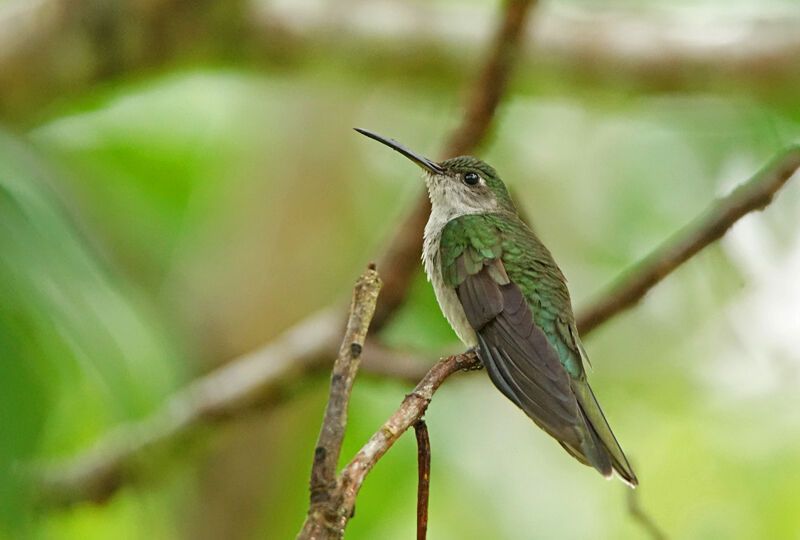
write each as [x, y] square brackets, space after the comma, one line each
[471, 178]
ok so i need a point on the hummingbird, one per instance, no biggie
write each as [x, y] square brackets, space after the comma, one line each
[504, 296]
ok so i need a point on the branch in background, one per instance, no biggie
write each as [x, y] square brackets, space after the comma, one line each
[755, 194]
[424, 477]
[55, 48]
[685, 45]
[331, 435]
[52, 49]
[405, 247]
[641, 517]
[260, 379]
[264, 376]
[492, 82]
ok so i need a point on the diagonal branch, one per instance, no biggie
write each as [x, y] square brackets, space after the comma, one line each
[755, 194]
[257, 380]
[492, 81]
[332, 499]
[411, 409]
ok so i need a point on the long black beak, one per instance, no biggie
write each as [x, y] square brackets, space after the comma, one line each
[422, 161]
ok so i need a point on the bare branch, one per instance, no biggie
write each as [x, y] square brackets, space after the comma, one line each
[411, 409]
[330, 518]
[424, 480]
[331, 435]
[332, 499]
[755, 194]
[492, 81]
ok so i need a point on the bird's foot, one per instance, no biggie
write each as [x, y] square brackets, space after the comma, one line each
[473, 366]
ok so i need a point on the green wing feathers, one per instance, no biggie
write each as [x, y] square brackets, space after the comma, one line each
[515, 298]
[477, 237]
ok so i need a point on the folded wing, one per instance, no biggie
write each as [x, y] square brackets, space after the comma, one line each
[516, 353]
[519, 357]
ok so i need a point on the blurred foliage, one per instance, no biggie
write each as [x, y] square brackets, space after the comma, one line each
[81, 350]
[160, 226]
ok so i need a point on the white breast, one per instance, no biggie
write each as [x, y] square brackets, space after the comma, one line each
[445, 294]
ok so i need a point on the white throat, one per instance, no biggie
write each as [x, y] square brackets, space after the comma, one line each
[448, 202]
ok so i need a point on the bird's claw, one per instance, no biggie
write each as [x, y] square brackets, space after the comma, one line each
[474, 366]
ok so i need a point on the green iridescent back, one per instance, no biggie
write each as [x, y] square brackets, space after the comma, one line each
[528, 264]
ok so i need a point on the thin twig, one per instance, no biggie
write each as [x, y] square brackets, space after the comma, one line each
[323, 485]
[424, 477]
[755, 194]
[411, 409]
[331, 435]
[641, 517]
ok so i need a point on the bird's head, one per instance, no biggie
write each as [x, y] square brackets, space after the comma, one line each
[458, 186]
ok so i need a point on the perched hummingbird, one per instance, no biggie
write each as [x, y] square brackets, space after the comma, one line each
[503, 294]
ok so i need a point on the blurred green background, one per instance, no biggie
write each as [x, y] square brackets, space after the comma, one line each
[178, 186]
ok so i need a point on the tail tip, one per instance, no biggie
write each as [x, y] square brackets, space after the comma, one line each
[628, 478]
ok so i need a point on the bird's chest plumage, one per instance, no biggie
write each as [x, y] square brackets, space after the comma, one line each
[445, 294]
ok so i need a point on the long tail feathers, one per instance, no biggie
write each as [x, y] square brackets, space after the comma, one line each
[600, 448]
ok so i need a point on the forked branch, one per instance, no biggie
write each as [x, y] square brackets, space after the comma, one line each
[328, 519]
